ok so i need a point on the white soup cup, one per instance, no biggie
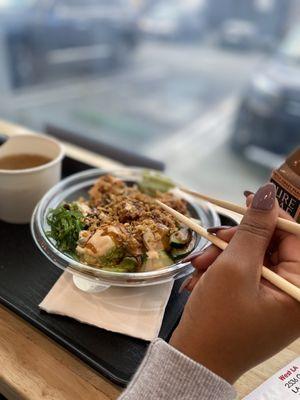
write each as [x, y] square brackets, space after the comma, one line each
[21, 190]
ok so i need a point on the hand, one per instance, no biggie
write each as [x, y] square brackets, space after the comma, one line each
[234, 319]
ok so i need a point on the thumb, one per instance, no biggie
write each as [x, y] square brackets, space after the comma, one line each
[248, 246]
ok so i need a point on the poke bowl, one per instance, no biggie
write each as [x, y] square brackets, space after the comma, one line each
[105, 228]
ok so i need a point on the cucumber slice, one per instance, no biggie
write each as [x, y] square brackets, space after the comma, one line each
[180, 252]
[180, 238]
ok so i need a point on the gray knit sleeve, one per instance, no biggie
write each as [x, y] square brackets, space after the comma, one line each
[167, 374]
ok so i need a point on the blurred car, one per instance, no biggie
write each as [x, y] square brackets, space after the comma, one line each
[268, 119]
[245, 35]
[174, 20]
[42, 33]
[238, 33]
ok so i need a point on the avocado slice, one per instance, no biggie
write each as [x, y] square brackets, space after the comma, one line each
[163, 260]
[111, 258]
[153, 182]
[128, 264]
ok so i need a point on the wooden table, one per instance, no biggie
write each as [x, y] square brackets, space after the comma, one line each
[34, 367]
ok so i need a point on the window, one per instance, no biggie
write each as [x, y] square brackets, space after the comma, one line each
[195, 83]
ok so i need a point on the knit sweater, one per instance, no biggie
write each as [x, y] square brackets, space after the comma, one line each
[167, 374]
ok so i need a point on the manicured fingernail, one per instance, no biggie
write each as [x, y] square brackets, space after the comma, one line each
[216, 229]
[184, 284]
[247, 193]
[264, 198]
[191, 256]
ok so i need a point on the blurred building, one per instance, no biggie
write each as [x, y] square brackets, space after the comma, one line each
[294, 12]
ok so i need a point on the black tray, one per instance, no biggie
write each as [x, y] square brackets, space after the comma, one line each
[26, 276]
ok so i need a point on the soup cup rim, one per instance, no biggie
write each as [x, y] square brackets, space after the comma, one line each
[53, 161]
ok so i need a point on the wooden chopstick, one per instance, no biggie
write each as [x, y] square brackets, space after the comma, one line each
[276, 280]
[283, 224]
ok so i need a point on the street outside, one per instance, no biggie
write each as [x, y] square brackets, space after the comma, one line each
[173, 102]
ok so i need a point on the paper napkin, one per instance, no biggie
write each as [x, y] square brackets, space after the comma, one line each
[133, 311]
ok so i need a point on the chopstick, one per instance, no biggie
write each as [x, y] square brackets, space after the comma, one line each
[283, 224]
[276, 280]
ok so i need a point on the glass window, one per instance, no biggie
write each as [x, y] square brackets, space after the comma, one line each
[207, 86]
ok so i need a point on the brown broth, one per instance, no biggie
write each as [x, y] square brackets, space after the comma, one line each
[22, 161]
